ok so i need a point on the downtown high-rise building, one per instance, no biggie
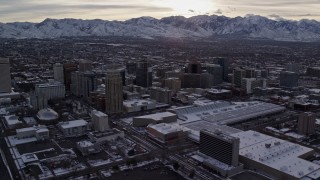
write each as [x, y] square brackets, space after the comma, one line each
[58, 72]
[307, 123]
[5, 77]
[85, 65]
[219, 146]
[289, 79]
[224, 63]
[143, 74]
[114, 94]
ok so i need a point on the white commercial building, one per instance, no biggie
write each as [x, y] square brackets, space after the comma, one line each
[47, 91]
[74, 128]
[99, 120]
[279, 158]
[12, 121]
[167, 132]
[40, 132]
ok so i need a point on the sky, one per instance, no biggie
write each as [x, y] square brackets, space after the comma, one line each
[38, 10]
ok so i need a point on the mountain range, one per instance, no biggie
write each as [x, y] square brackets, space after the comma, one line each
[250, 26]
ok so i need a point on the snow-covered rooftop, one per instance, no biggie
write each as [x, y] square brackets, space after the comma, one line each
[224, 113]
[72, 124]
[276, 153]
[158, 116]
[12, 120]
[165, 128]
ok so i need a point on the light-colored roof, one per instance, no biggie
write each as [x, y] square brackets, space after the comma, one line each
[224, 113]
[72, 124]
[275, 153]
[165, 128]
[158, 116]
[12, 120]
[47, 115]
[99, 113]
[84, 143]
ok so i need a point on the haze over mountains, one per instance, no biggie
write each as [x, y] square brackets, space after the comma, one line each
[250, 26]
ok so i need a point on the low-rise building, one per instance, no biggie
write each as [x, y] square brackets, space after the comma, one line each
[164, 117]
[279, 158]
[167, 133]
[87, 147]
[40, 132]
[12, 121]
[74, 128]
[103, 137]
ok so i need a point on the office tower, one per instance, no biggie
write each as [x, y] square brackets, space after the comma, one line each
[5, 76]
[219, 146]
[173, 84]
[83, 83]
[143, 74]
[224, 63]
[45, 92]
[58, 72]
[75, 86]
[313, 72]
[249, 84]
[293, 67]
[131, 67]
[99, 120]
[85, 65]
[306, 123]
[251, 73]
[206, 80]
[67, 70]
[190, 81]
[264, 74]
[194, 68]
[114, 94]
[123, 76]
[89, 83]
[161, 95]
[238, 74]
[216, 71]
[288, 79]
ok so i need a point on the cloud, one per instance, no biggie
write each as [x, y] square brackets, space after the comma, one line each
[37, 10]
[29, 10]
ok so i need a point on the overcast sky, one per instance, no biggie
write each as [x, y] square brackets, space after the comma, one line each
[38, 10]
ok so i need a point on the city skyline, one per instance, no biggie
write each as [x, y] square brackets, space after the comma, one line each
[37, 11]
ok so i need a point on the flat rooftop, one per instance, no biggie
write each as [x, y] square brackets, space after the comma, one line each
[72, 124]
[224, 113]
[165, 128]
[201, 125]
[99, 113]
[275, 153]
[157, 116]
[108, 132]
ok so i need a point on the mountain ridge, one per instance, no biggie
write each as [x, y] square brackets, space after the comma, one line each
[250, 26]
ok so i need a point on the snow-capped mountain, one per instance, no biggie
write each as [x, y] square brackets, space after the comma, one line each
[251, 26]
